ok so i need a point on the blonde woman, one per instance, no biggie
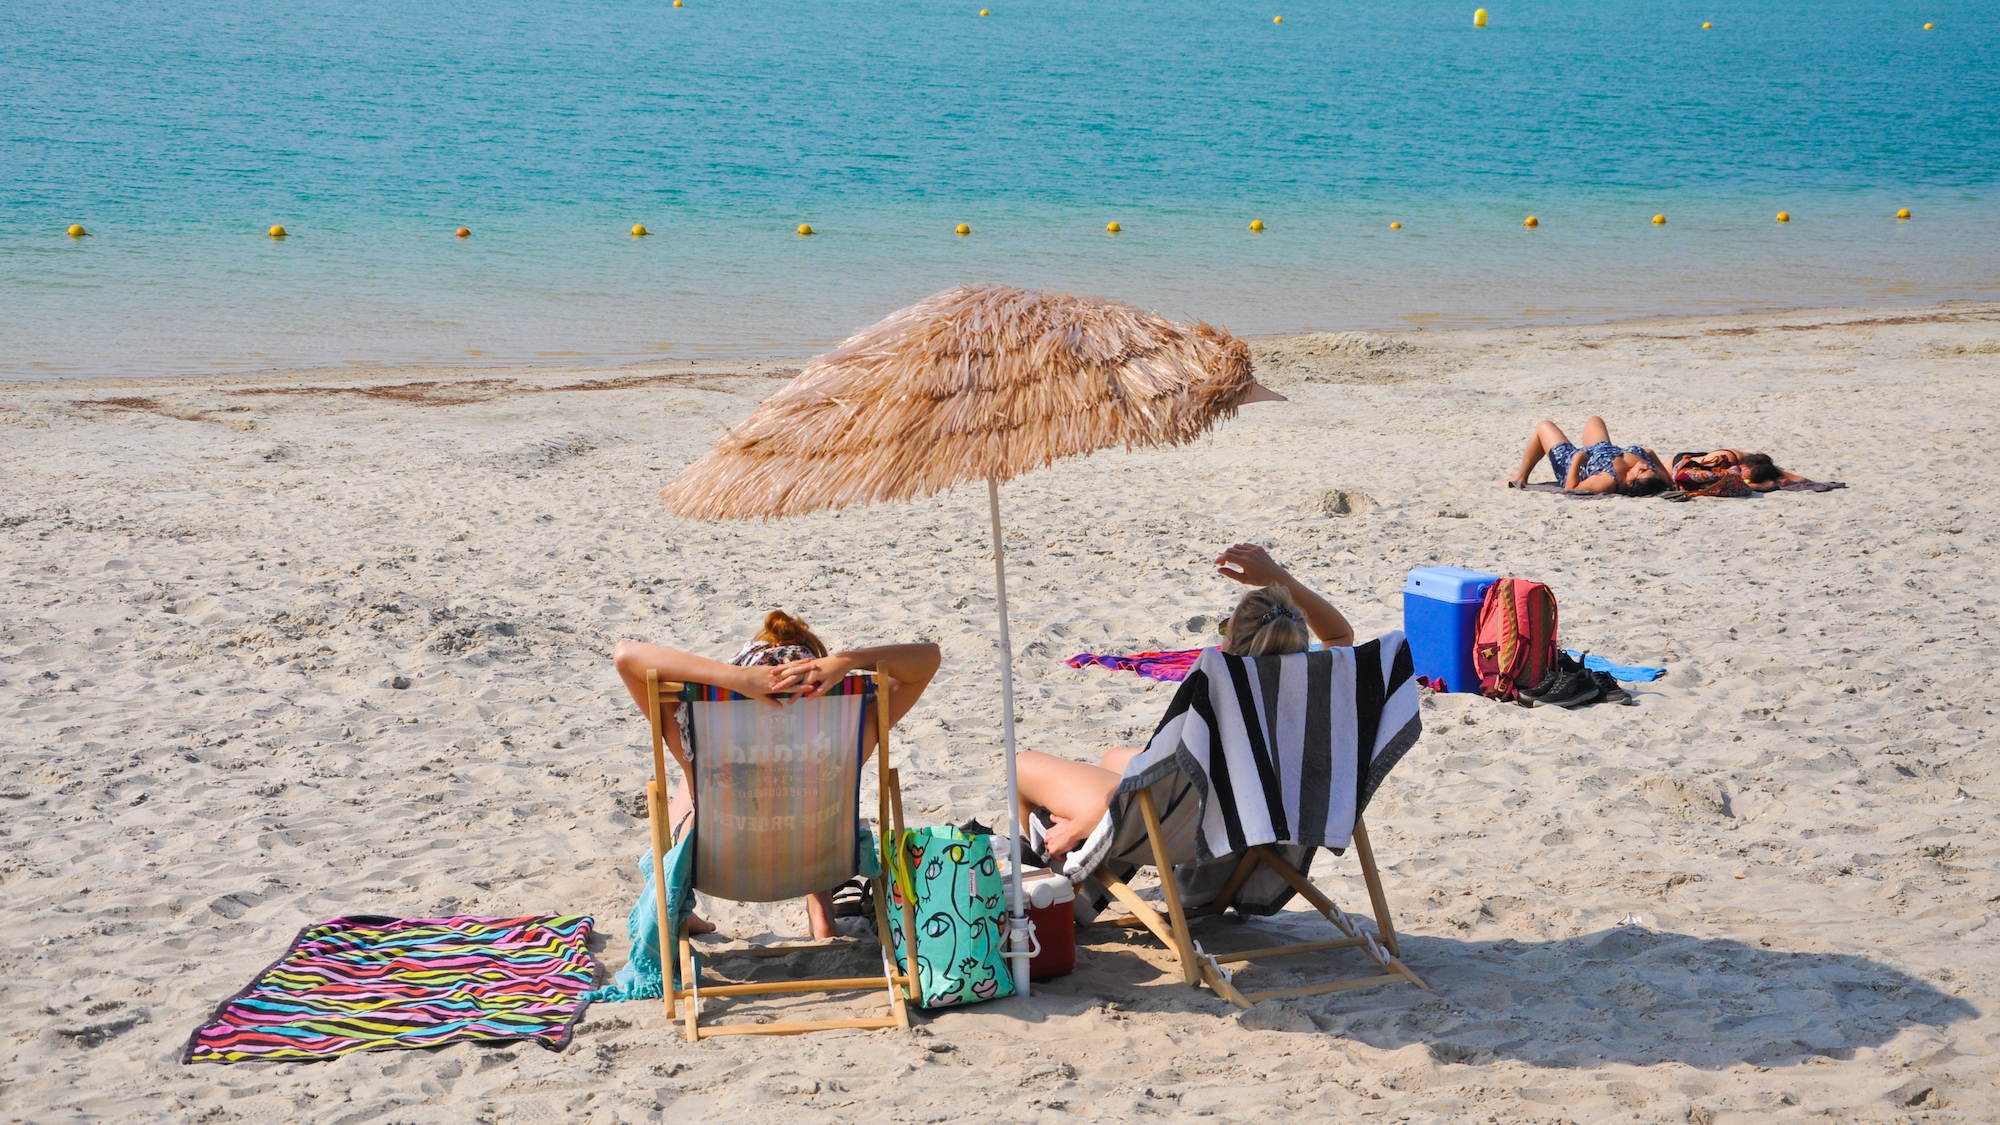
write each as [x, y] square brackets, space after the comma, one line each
[1282, 615]
[785, 660]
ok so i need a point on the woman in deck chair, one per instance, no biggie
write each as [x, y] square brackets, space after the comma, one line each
[1067, 800]
[785, 660]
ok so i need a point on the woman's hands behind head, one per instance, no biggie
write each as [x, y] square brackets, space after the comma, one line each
[763, 683]
[779, 684]
[810, 679]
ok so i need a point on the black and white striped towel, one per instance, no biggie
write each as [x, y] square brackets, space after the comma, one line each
[1284, 749]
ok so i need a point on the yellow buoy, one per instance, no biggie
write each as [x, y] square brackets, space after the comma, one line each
[1395, 226]
[1479, 18]
[1659, 220]
[1903, 214]
[1256, 224]
[277, 232]
[964, 229]
[1705, 26]
[1277, 19]
[1531, 221]
[984, 12]
[1114, 228]
[1927, 27]
[677, 3]
[639, 230]
[1784, 216]
[805, 228]
[76, 230]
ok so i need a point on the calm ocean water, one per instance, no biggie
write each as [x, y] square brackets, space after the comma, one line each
[178, 133]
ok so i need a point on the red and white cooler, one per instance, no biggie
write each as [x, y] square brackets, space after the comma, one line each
[1052, 910]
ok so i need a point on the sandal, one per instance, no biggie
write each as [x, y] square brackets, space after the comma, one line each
[854, 899]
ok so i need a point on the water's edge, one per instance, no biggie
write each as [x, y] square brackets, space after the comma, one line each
[786, 363]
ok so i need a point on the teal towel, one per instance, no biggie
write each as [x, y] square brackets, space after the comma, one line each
[640, 979]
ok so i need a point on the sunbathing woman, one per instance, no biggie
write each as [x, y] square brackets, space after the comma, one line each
[1698, 470]
[1271, 620]
[1598, 466]
[785, 658]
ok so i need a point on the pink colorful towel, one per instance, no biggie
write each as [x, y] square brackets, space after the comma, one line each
[1172, 667]
[369, 983]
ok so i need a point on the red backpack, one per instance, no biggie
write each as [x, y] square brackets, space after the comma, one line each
[1516, 641]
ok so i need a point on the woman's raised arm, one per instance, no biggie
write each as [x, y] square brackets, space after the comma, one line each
[1253, 566]
[633, 660]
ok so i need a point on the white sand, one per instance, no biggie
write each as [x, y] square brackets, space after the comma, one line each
[210, 593]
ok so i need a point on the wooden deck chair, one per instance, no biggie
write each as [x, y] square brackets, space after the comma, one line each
[777, 811]
[1255, 767]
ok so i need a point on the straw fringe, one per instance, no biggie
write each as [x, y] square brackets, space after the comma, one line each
[977, 382]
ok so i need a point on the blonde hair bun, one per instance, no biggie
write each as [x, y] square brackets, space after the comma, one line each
[1267, 622]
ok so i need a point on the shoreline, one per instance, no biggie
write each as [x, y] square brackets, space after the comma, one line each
[1844, 315]
[278, 649]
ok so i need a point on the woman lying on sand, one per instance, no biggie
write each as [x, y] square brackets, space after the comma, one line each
[785, 658]
[1697, 470]
[1071, 798]
[1598, 466]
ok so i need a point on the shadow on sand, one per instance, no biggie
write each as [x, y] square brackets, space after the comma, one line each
[1625, 995]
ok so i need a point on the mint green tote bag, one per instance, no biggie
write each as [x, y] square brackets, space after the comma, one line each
[953, 884]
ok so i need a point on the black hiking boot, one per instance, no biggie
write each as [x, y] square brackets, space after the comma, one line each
[1546, 684]
[1610, 690]
[1574, 687]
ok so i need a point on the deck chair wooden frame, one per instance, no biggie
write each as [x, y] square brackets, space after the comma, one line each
[1199, 967]
[896, 976]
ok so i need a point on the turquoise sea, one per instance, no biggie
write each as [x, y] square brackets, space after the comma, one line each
[177, 134]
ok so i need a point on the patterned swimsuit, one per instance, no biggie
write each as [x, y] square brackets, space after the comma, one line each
[1596, 458]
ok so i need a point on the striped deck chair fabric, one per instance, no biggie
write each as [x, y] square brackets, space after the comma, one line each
[1259, 751]
[776, 790]
[1258, 763]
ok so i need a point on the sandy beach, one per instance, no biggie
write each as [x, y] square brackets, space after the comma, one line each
[277, 648]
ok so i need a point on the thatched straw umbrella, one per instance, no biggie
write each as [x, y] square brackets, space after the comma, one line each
[980, 382]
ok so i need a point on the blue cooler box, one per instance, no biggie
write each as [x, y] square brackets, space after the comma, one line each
[1441, 618]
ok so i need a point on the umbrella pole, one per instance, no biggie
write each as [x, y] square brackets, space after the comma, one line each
[1020, 935]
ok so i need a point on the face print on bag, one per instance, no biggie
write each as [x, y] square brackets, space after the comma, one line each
[937, 951]
[973, 972]
[959, 928]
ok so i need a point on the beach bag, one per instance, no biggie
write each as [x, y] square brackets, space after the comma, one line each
[952, 883]
[1515, 643]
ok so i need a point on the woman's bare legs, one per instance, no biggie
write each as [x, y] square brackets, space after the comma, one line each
[1076, 794]
[1118, 757]
[819, 913]
[1594, 430]
[1547, 436]
[680, 811]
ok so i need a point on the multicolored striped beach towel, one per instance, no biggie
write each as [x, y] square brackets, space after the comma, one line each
[371, 983]
[1171, 667]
